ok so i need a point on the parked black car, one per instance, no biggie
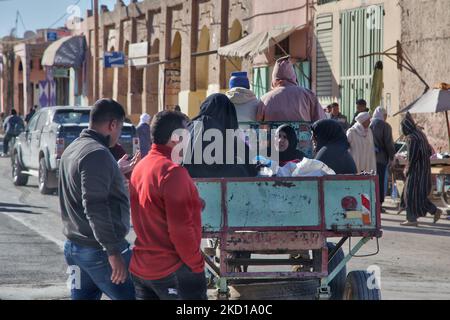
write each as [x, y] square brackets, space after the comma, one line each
[39, 148]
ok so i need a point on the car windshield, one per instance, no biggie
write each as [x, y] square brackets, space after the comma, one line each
[68, 117]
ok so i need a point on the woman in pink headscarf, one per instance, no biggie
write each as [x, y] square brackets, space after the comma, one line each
[287, 101]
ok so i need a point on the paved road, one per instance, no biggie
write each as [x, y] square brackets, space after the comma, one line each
[414, 262]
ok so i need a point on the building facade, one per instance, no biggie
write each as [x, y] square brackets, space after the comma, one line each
[23, 78]
[348, 29]
[344, 31]
[426, 39]
[180, 40]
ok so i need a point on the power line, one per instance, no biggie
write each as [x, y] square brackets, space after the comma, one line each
[36, 36]
[21, 20]
[63, 16]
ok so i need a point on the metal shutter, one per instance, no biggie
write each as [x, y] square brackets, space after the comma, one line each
[324, 27]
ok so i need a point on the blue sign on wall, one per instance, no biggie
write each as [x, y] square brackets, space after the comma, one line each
[52, 36]
[114, 59]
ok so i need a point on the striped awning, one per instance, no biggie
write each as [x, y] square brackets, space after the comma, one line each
[67, 52]
[257, 43]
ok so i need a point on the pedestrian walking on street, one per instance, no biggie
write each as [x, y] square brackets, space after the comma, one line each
[287, 101]
[167, 263]
[143, 131]
[336, 115]
[13, 126]
[95, 209]
[384, 146]
[361, 106]
[362, 147]
[332, 146]
[30, 114]
[2, 120]
[244, 100]
[418, 183]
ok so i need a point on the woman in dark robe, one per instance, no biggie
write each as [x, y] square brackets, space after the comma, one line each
[286, 143]
[418, 183]
[331, 146]
[217, 112]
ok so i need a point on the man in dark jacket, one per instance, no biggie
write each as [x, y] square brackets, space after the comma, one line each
[384, 145]
[339, 117]
[13, 126]
[30, 114]
[95, 209]
[361, 106]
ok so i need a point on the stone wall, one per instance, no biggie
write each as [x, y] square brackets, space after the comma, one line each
[426, 40]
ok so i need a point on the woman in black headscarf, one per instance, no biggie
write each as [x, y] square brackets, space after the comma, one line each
[418, 175]
[216, 112]
[286, 143]
[331, 146]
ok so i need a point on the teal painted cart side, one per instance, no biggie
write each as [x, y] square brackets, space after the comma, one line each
[287, 216]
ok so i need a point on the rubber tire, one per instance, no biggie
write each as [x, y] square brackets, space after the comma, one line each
[19, 179]
[43, 187]
[356, 287]
[337, 286]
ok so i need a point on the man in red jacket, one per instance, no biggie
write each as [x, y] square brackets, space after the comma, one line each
[167, 263]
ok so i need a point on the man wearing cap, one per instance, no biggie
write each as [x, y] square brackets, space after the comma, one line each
[287, 101]
[362, 147]
[242, 97]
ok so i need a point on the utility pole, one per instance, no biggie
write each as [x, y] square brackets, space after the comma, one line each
[96, 50]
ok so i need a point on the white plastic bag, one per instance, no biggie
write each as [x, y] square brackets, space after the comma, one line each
[265, 172]
[312, 168]
[287, 170]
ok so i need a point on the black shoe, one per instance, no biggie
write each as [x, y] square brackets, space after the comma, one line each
[437, 215]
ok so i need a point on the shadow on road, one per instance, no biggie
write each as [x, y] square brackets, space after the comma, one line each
[15, 205]
[18, 208]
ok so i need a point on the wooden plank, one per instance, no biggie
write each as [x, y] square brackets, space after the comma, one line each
[274, 241]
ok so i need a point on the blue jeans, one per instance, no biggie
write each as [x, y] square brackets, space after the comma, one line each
[90, 273]
[183, 284]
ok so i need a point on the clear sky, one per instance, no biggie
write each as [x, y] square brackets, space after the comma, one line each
[40, 14]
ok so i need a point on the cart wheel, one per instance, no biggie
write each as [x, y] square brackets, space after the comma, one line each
[338, 284]
[356, 287]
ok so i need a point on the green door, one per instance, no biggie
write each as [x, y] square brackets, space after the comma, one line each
[361, 34]
[260, 81]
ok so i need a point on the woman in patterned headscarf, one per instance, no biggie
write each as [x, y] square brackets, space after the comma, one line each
[418, 175]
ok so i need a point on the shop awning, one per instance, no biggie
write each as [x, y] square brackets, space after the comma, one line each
[257, 43]
[67, 52]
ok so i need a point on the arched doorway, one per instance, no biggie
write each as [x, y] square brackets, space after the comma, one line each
[233, 64]
[202, 62]
[173, 74]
